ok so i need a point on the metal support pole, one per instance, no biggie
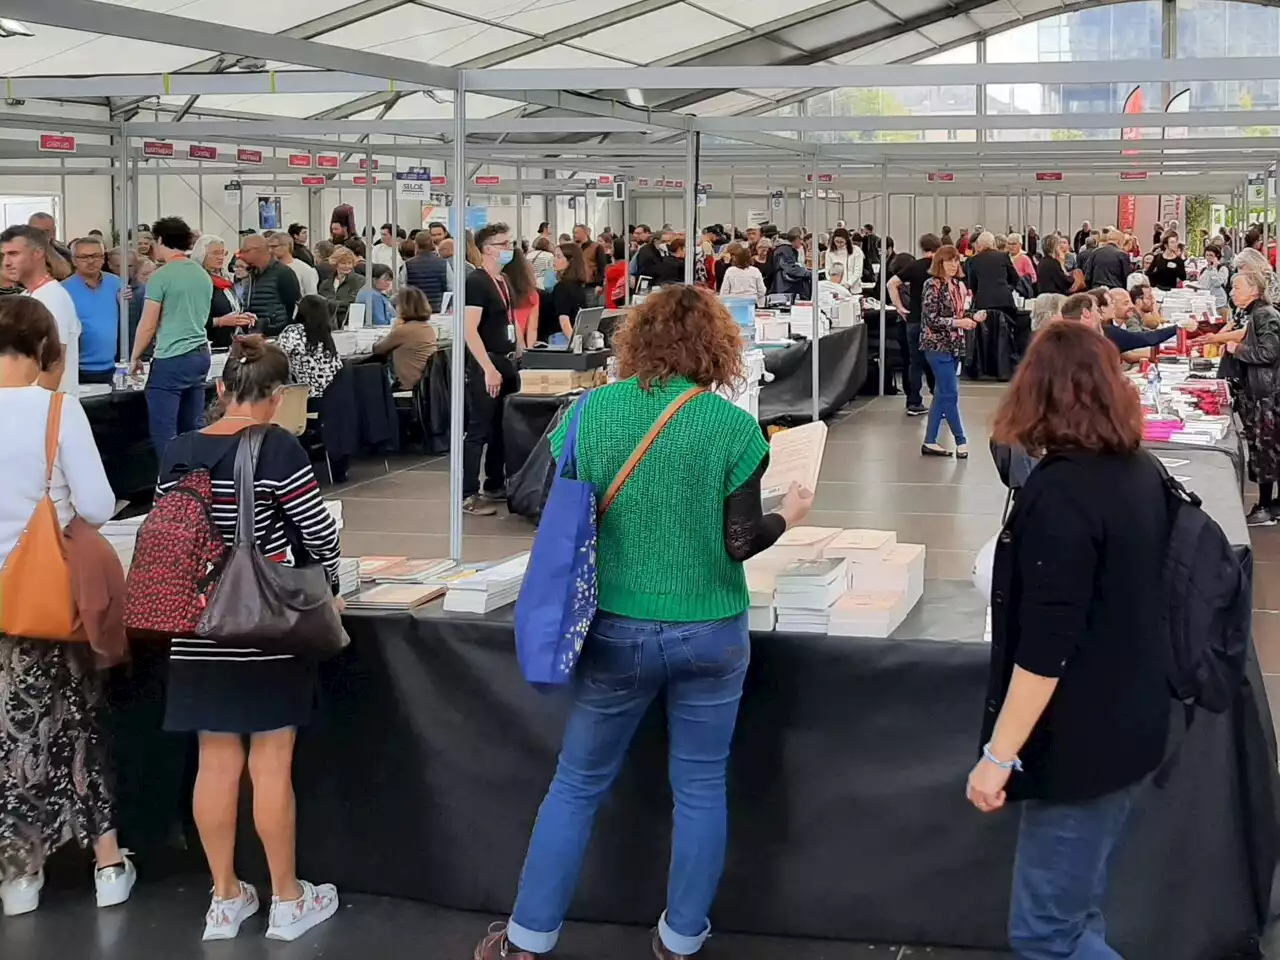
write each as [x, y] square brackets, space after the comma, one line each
[934, 211]
[200, 195]
[733, 205]
[665, 221]
[519, 204]
[122, 228]
[813, 281]
[626, 252]
[457, 371]
[884, 269]
[368, 219]
[690, 206]
[135, 214]
[393, 201]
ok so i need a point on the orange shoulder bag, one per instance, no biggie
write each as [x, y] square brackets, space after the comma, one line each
[35, 582]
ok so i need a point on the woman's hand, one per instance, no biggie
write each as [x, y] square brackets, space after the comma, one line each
[965, 323]
[1232, 346]
[796, 505]
[985, 789]
[339, 605]
[980, 316]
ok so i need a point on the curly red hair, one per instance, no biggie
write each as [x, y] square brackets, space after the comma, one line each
[680, 331]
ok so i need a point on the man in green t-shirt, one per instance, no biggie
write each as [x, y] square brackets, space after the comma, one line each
[179, 296]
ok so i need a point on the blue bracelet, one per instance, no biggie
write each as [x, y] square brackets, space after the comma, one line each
[987, 755]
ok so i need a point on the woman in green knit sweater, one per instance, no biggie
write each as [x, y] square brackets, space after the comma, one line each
[672, 613]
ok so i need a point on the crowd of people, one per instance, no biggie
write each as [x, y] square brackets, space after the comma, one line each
[1077, 713]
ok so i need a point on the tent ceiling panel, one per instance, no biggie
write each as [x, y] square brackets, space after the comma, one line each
[53, 51]
[946, 32]
[417, 33]
[277, 104]
[563, 56]
[419, 106]
[537, 18]
[853, 19]
[252, 14]
[730, 103]
[902, 47]
[753, 13]
[661, 33]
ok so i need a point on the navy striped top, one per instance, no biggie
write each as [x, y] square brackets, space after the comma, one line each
[290, 521]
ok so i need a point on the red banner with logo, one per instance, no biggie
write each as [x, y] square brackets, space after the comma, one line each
[1127, 215]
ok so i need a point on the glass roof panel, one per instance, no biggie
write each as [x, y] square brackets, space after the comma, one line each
[659, 34]
[59, 53]
[562, 55]
[417, 33]
[753, 13]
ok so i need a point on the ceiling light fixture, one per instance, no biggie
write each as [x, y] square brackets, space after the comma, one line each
[636, 97]
[13, 28]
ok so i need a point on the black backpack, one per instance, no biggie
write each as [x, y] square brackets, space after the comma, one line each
[1207, 605]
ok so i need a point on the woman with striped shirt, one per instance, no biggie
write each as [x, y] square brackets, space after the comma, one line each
[224, 693]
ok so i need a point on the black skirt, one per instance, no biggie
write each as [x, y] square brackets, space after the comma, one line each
[227, 696]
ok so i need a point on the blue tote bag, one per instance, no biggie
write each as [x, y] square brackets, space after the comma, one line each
[558, 597]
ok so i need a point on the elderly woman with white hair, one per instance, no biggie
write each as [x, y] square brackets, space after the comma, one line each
[226, 313]
[1046, 307]
[1258, 356]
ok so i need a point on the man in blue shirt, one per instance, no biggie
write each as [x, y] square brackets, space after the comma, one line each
[95, 295]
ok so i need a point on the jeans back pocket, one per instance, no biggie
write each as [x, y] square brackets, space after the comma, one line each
[612, 654]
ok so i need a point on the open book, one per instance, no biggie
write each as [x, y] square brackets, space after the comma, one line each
[795, 456]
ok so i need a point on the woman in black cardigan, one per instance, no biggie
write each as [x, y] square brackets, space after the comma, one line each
[1077, 707]
[1051, 272]
[1258, 359]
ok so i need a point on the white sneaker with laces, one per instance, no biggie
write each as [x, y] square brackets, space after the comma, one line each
[223, 920]
[290, 919]
[112, 885]
[21, 895]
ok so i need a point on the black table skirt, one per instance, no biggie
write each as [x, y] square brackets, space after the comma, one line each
[423, 773]
[357, 412]
[842, 367]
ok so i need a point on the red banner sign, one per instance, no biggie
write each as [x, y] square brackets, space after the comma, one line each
[1051, 176]
[942, 178]
[299, 159]
[156, 148]
[488, 181]
[248, 156]
[328, 161]
[642, 182]
[438, 181]
[1133, 175]
[364, 163]
[605, 180]
[363, 181]
[822, 177]
[314, 181]
[198, 152]
[57, 143]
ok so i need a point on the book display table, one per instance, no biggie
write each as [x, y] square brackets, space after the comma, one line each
[422, 774]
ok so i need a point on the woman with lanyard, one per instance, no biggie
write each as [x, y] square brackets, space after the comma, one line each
[943, 321]
[491, 371]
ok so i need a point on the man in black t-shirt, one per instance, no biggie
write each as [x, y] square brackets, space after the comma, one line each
[913, 278]
[491, 372]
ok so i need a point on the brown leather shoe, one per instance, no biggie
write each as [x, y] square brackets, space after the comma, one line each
[662, 953]
[496, 946]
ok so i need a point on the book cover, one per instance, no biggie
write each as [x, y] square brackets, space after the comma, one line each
[397, 595]
[795, 456]
[372, 565]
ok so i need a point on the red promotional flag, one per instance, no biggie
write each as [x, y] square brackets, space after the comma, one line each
[1128, 205]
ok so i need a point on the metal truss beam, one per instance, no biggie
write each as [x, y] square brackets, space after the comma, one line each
[142, 24]
[1007, 121]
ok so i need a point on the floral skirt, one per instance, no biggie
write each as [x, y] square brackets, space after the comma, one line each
[1261, 422]
[55, 782]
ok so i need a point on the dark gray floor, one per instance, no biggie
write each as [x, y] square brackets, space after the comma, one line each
[873, 476]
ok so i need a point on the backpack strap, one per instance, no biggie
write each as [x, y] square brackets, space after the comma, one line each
[638, 453]
[51, 430]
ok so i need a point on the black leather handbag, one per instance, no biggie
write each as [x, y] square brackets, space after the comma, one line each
[265, 605]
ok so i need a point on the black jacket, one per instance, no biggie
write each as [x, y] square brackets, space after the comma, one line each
[790, 275]
[303, 254]
[1259, 352]
[273, 295]
[649, 261]
[1052, 278]
[992, 280]
[1108, 267]
[1077, 242]
[1064, 604]
[430, 274]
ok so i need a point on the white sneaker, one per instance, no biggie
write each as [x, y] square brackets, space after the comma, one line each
[21, 895]
[223, 920]
[114, 884]
[290, 919]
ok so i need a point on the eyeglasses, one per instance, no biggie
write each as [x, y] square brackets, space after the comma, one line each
[86, 257]
[499, 246]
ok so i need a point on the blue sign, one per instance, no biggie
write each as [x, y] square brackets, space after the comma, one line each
[477, 217]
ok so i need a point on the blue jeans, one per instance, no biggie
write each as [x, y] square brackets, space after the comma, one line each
[625, 665]
[175, 397]
[946, 396]
[1060, 877]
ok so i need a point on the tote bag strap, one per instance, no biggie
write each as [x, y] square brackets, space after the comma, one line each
[246, 466]
[569, 452]
[638, 453]
[51, 430]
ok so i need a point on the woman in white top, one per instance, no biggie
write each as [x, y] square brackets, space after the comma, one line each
[55, 776]
[743, 278]
[543, 262]
[844, 252]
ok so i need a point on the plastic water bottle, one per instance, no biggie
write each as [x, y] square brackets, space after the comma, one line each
[1153, 387]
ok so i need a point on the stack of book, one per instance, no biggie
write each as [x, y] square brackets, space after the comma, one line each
[762, 576]
[861, 546]
[868, 614]
[334, 507]
[403, 570]
[348, 575]
[900, 571]
[803, 543]
[487, 588]
[387, 597]
[805, 591]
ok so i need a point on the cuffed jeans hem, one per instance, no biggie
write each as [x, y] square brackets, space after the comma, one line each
[678, 943]
[531, 941]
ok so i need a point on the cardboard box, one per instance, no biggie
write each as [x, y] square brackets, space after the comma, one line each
[553, 383]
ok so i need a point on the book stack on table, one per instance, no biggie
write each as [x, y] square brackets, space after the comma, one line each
[488, 588]
[806, 591]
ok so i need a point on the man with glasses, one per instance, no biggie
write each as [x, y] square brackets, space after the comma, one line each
[25, 253]
[491, 372]
[95, 295]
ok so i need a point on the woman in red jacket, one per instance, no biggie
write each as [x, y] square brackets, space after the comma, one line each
[615, 276]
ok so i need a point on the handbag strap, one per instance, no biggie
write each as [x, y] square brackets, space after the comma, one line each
[569, 452]
[246, 466]
[52, 428]
[638, 453]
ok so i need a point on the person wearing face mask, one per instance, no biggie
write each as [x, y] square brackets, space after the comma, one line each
[653, 259]
[491, 374]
